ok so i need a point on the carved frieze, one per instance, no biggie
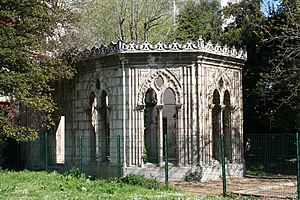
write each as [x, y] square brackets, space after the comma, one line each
[92, 86]
[131, 47]
[168, 79]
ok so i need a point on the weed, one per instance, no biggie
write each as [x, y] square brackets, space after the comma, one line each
[75, 173]
[43, 185]
[194, 176]
[135, 179]
[145, 155]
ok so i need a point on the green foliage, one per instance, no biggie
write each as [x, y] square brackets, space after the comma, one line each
[42, 185]
[258, 171]
[106, 21]
[246, 30]
[194, 176]
[199, 19]
[279, 85]
[245, 26]
[271, 74]
[27, 32]
[75, 173]
[145, 155]
[140, 180]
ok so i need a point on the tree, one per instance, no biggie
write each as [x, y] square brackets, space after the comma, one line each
[199, 19]
[271, 74]
[279, 84]
[105, 21]
[245, 31]
[28, 64]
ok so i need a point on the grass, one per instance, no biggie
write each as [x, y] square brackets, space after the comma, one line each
[43, 185]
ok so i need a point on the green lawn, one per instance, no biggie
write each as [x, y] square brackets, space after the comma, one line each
[42, 185]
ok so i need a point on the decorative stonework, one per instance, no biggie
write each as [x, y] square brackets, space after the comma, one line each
[144, 74]
[150, 91]
[91, 86]
[170, 81]
[104, 83]
[131, 47]
[220, 74]
[176, 72]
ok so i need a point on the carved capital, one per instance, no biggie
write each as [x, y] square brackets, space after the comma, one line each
[178, 106]
[140, 107]
[109, 107]
[159, 107]
[211, 106]
[123, 60]
[223, 107]
[233, 108]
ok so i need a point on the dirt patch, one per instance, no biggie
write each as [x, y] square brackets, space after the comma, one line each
[264, 188]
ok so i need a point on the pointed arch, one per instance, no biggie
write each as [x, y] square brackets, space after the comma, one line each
[96, 84]
[170, 81]
[225, 79]
[221, 82]
[150, 127]
[216, 126]
[104, 127]
[170, 123]
[99, 92]
[103, 83]
[94, 127]
[227, 125]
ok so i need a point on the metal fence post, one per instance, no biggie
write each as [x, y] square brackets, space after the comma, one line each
[80, 152]
[223, 164]
[46, 151]
[119, 155]
[166, 161]
[18, 155]
[298, 165]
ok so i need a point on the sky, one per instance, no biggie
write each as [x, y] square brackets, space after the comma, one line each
[264, 7]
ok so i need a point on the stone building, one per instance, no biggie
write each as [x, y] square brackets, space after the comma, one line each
[192, 92]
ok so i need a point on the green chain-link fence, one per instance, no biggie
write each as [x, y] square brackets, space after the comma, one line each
[270, 166]
[82, 152]
[270, 162]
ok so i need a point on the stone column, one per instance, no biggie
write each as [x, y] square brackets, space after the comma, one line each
[237, 147]
[124, 120]
[160, 133]
[209, 138]
[222, 130]
[141, 140]
[179, 142]
[140, 134]
[221, 118]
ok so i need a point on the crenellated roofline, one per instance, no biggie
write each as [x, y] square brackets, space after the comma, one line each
[146, 47]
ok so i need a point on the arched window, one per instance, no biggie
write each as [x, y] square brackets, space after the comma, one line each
[216, 126]
[227, 126]
[169, 124]
[105, 131]
[150, 127]
[94, 129]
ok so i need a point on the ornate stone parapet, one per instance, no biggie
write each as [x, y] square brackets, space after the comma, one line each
[131, 47]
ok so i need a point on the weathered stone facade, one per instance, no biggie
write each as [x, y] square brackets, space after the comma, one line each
[191, 91]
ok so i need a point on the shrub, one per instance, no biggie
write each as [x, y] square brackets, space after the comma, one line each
[135, 179]
[194, 176]
[145, 155]
[75, 173]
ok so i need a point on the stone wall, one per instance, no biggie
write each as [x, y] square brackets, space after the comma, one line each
[107, 99]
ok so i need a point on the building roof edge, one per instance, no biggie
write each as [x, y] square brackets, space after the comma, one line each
[146, 47]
